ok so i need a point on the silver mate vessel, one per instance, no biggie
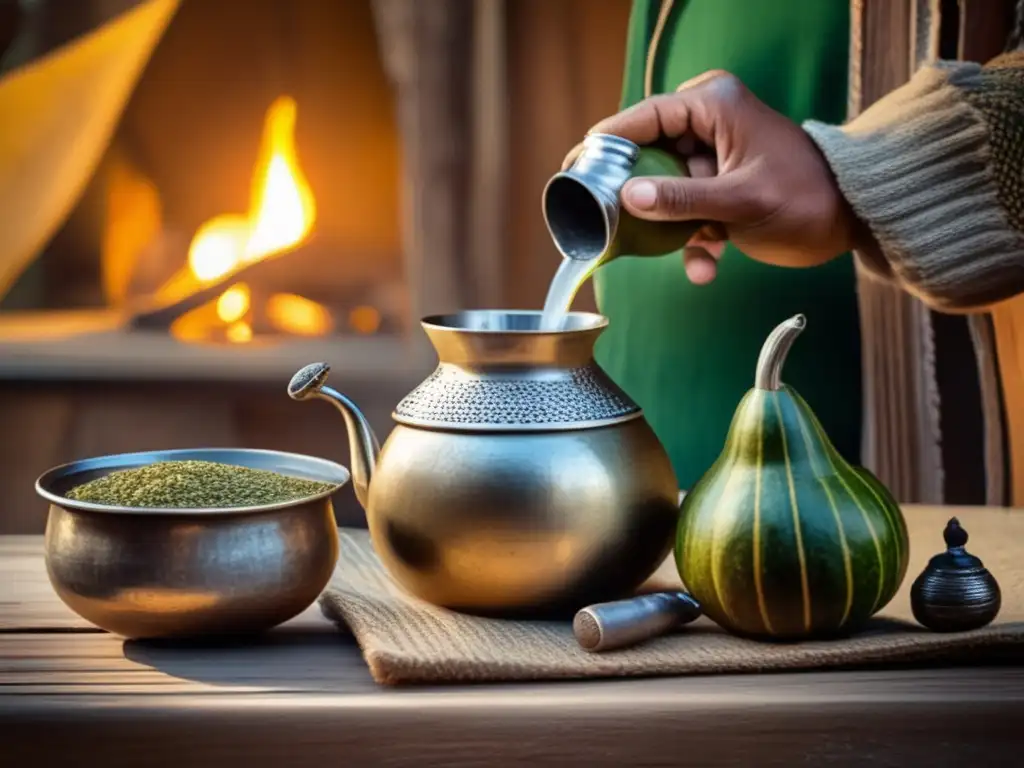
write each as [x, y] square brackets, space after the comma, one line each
[519, 478]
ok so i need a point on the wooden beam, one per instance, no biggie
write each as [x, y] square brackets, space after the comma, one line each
[901, 434]
[488, 197]
[99, 345]
[984, 28]
[427, 52]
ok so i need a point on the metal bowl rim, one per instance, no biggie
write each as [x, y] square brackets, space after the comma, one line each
[112, 461]
[442, 323]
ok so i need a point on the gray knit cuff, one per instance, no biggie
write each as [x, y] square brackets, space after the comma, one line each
[914, 169]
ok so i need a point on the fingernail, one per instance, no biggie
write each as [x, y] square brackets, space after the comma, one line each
[700, 266]
[642, 194]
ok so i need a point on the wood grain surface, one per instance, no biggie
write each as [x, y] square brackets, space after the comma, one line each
[302, 696]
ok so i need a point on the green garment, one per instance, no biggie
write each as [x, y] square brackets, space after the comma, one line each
[687, 353]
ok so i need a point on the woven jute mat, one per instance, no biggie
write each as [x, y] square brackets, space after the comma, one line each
[405, 640]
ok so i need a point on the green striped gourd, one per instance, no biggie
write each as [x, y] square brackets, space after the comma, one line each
[782, 538]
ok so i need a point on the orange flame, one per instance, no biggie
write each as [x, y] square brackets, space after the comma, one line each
[281, 215]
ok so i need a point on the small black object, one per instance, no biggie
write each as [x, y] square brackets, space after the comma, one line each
[955, 593]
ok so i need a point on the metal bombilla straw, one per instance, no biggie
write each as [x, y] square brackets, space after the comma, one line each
[618, 624]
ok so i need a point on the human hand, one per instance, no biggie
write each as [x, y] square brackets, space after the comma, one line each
[754, 172]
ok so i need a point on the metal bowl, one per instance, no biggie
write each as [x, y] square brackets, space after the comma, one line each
[158, 573]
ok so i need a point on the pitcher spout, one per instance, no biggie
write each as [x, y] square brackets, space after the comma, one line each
[310, 382]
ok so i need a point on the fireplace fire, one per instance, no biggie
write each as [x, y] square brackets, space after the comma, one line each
[273, 181]
[280, 219]
[234, 206]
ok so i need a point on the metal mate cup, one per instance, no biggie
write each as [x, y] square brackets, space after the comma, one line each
[150, 572]
[583, 212]
[581, 204]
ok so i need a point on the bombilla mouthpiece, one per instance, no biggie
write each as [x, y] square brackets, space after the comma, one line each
[621, 623]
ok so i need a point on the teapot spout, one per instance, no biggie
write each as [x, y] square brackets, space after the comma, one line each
[309, 383]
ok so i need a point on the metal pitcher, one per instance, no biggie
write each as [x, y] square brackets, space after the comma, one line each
[519, 478]
[584, 215]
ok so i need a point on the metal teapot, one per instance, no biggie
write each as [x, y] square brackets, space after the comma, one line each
[519, 478]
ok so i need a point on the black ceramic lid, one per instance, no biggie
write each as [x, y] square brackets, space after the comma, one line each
[955, 557]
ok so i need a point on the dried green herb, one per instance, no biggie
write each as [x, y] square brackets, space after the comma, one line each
[194, 485]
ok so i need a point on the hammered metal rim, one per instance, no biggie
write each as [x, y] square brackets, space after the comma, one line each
[442, 322]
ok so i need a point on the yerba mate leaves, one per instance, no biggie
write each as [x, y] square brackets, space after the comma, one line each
[195, 485]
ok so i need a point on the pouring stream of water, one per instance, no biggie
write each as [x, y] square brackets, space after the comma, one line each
[571, 275]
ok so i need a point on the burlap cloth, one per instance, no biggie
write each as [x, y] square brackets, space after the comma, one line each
[405, 640]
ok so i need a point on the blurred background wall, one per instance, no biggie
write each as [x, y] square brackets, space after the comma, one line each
[424, 131]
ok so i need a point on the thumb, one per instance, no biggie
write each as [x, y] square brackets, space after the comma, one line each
[658, 198]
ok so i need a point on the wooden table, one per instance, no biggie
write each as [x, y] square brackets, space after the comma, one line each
[71, 695]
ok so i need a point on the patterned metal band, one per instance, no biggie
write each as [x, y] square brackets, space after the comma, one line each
[454, 399]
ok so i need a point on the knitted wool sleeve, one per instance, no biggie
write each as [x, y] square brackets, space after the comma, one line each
[935, 170]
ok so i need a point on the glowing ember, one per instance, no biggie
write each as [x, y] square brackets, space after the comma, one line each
[239, 332]
[233, 303]
[365, 320]
[298, 315]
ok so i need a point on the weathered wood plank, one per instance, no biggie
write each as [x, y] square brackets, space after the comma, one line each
[890, 718]
[291, 660]
[302, 696]
[119, 355]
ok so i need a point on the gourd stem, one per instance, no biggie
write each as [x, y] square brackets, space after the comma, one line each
[774, 351]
